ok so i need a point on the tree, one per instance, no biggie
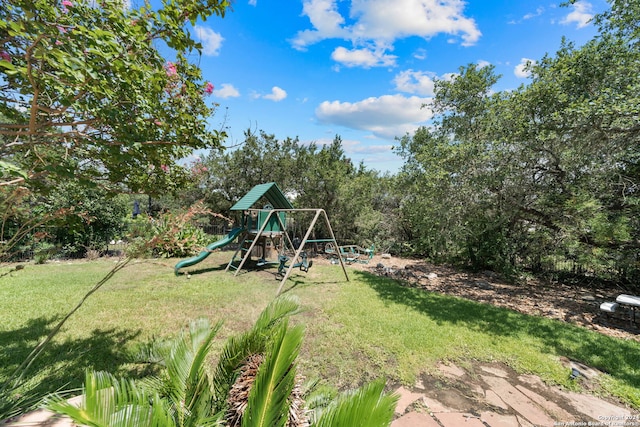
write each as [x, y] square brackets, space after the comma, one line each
[94, 217]
[323, 173]
[314, 176]
[450, 174]
[373, 210]
[86, 93]
[227, 176]
[550, 168]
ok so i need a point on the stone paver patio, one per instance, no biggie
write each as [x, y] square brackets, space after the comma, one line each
[495, 399]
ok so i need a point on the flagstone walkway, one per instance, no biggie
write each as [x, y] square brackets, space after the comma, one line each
[495, 396]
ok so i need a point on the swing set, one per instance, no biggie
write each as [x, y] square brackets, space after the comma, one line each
[265, 231]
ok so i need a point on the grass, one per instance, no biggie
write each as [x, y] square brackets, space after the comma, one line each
[356, 331]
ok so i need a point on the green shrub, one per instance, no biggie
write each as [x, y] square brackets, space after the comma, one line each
[172, 234]
[43, 252]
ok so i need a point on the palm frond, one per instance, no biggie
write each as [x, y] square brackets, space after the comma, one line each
[148, 353]
[188, 383]
[368, 406]
[268, 404]
[110, 402]
[184, 398]
[234, 353]
[255, 341]
[153, 384]
[317, 398]
[15, 400]
[199, 394]
[279, 309]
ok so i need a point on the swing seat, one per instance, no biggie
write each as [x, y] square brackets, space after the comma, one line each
[304, 264]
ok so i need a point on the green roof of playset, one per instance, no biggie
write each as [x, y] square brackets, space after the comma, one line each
[270, 191]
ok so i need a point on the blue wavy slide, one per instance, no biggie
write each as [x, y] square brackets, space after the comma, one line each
[215, 245]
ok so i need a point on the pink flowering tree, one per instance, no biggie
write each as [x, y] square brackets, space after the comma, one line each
[85, 92]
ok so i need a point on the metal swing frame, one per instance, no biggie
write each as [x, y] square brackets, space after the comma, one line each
[305, 239]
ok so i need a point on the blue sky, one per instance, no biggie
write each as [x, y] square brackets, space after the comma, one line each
[361, 69]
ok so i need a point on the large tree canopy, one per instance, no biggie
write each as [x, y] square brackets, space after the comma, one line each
[507, 178]
[86, 92]
[359, 202]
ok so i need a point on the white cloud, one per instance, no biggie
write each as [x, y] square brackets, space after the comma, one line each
[191, 158]
[386, 117]
[371, 153]
[211, 41]
[420, 54]
[420, 82]
[365, 58]
[382, 22]
[449, 77]
[539, 11]
[369, 149]
[226, 90]
[482, 63]
[535, 14]
[253, 2]
[386, 20]
[277, 94]
[353, 146]
[423, 82]
[521, 70]
[581, 14]
[326, 20]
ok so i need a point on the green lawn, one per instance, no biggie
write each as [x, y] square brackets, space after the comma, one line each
[355, 331]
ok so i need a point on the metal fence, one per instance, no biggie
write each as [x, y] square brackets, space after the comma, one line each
[621, 271]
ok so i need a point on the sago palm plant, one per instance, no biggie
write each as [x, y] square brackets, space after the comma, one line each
[254, 384]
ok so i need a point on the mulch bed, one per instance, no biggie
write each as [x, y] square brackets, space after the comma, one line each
[576, 302]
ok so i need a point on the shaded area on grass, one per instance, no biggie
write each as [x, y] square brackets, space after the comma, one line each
[202, 270]
[62, 365]
[619, 358]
